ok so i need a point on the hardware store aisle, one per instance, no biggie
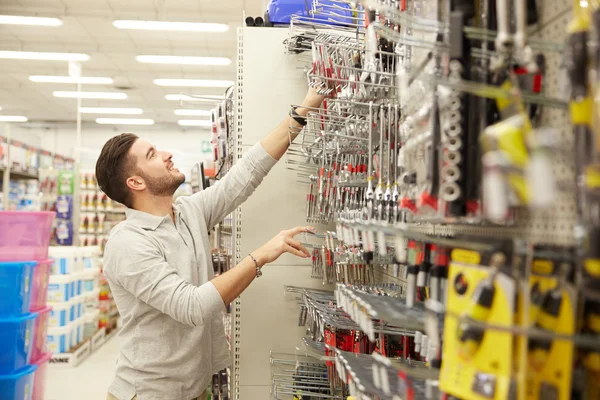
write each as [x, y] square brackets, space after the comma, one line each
[89, 380]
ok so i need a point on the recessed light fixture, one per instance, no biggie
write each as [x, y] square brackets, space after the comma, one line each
[196, 113]
[91, 95]
[184, 60]
[34, 55]
[124, 121]
[36, 21]
[195, 122]
[88, 80]
[13, 118]
[199, 98]
[170, 26]
[193, 83]
[109, 110]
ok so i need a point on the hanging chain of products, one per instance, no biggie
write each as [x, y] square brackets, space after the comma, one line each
[456, 155]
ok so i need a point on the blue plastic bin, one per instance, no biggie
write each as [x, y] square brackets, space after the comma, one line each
[19, 385]
[280, 12]
[15, 286]
[16, 342]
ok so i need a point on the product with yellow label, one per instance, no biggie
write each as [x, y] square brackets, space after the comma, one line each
[552, 309]
[477, 359]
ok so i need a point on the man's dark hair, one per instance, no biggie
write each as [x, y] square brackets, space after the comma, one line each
[114, 166]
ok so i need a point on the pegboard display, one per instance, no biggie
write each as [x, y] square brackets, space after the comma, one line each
[445, 155]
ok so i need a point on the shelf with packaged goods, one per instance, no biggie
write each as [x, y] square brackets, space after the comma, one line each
[19, 175]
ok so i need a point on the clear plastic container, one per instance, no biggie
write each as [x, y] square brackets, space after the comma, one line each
[15, 286]
[16, 342]
[24, 235]
[59, 339]
[18, 385]
[39, 288]
[40, 331]
[39, 382]
[60, 314]
[59, 288]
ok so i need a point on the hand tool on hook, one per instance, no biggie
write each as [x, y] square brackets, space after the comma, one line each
[369, 194]
[379, 191]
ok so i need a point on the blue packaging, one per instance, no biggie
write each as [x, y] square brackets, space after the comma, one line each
[64, 207]
[64, 233]
[281, 11]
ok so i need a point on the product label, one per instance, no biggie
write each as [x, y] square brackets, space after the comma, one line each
[543, 267]
[466, 256]
[62, 232]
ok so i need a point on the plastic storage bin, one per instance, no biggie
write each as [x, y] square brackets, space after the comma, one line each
[39, 381]
[16, 342]
[76, 332]
[15, 286]
[40, 331]
[18, 385]
[59, 288]
[64, 260]
[39, 287]
[60, 314]
[59, 339]
[78, 283]
[25, 235]
[90, 323]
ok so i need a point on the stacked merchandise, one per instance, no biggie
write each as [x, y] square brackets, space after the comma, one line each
[99, 214]
[74, 294]
[24, 277]
[23, 195]
[64, 208]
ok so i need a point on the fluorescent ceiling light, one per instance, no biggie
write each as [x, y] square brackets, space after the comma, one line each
[170, 26]
[184, 60]
[91, 95]
[200, 98]
[33, 55]
[89, 80]
[124, 121]
[197, 113]
[109, 110]
[37, 21]
[193, 83]
[12, 118]
[195, 122]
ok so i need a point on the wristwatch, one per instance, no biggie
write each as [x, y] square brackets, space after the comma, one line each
[297, 117]
[258, 270]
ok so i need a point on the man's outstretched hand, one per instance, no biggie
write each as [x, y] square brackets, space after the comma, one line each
[284, 242]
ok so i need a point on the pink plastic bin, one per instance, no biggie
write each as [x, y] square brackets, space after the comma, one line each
[40, 331]
[39, 380]
[25, 235]
[39, 287]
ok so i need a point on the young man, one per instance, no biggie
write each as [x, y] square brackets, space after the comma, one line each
[159, 266]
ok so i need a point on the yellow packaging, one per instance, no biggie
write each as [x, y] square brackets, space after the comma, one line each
[556, 373]
[487, 373]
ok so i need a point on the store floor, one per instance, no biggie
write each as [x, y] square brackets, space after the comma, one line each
[89, 380]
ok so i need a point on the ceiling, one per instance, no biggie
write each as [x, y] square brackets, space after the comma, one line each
[87, 28]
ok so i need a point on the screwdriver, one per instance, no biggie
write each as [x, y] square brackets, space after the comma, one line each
[424, 268]
[411, 274]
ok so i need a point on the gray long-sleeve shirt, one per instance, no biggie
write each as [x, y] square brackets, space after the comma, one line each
[159, 273]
